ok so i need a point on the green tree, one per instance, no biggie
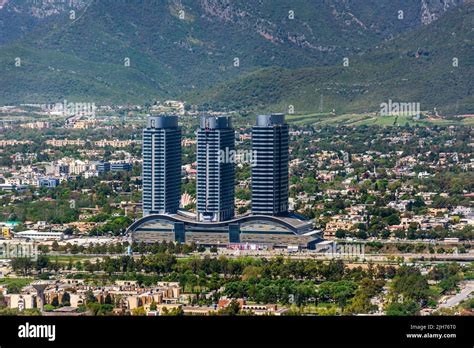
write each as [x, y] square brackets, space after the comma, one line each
[340, 233]
[233, 308]
[153, 306]
[22, 265]
[41, 262]
[408, 308]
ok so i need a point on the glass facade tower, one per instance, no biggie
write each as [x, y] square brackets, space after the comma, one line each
[161, 165]
[270, 173]
[215, 170]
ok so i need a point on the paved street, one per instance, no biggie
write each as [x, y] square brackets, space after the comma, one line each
[456, 299]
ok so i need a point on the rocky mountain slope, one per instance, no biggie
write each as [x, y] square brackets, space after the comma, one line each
[125, 51]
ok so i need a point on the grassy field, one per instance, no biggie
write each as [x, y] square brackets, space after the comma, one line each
[15, 282]
[371, 119]
[73, 258]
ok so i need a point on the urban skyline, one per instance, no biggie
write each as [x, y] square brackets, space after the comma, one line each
[268, 224]
[215, 175]
[236, 158]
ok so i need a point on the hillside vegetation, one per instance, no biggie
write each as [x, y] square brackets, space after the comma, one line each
[239, 54]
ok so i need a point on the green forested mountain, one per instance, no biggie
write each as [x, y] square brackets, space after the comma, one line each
[416, 67]
[287, 52]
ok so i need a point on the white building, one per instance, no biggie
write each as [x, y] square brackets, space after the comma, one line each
[35, 235]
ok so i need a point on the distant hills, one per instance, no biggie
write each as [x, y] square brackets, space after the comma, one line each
[417, 66]
[249, 55]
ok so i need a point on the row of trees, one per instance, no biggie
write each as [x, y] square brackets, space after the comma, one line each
[285, 281]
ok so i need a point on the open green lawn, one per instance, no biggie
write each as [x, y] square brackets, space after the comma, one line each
[370, 119]
[308, 118]
[468, 121]
[15, 282]
[74, 258]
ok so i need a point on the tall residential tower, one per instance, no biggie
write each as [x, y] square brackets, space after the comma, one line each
[161, 165]
[215, 173]
[215, 224]
[270, 174]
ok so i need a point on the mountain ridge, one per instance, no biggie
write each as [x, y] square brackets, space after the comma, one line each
[418, 67]
[172, 57]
